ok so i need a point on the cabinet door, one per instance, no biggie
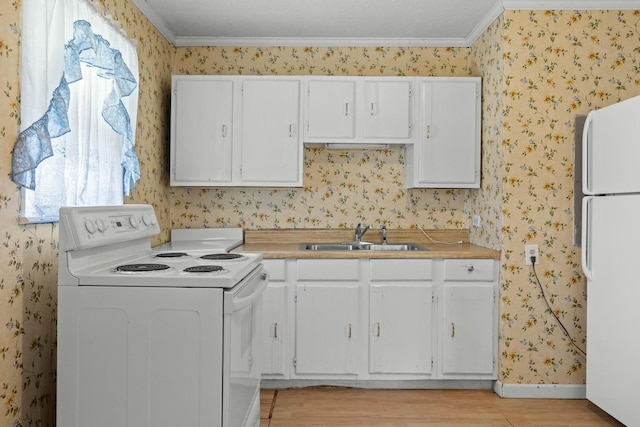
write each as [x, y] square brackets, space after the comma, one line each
[401, 328]
[326, 328]
[468, 330]
[274, 329]
[331, 109]
[387, 109]
[447, 153]
[202, 130]
[271, 143]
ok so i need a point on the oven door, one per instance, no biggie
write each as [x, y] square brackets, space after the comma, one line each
[241, 364]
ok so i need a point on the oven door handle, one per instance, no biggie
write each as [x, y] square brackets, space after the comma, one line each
[245, 301]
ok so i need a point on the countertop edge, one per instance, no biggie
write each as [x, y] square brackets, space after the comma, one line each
[288, 244]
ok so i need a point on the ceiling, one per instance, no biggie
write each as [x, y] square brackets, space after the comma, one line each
[340, 22]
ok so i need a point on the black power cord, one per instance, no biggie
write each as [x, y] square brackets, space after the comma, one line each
[544, 295]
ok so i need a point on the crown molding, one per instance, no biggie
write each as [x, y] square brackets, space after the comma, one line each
[321, 41]
[486, 21]
[571, 4]
[155, 20]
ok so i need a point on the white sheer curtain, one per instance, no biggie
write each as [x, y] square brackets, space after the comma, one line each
[87, 163]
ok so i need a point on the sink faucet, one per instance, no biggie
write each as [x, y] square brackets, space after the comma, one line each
[360, 230]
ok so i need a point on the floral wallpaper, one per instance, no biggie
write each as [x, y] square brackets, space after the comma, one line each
[486, 60]
[28, 253]
[557, 64]
[540, 69]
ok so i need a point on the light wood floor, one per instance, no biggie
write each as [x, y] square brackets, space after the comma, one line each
[345, 407]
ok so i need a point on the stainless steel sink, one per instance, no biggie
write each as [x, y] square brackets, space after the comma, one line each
[396, 247]
[331, 247]
[352, 246]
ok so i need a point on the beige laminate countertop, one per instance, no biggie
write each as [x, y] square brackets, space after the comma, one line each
[286, 244]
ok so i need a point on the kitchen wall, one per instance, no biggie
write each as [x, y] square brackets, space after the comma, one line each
[28, 254]
[341, 188]
[539, 70]
[557, 64]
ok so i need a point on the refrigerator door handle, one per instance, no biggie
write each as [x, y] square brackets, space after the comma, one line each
[586, 163]
[586, 243]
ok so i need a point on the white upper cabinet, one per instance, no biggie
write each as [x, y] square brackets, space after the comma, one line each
[331, 109]
[201, 130]
[270, 132]
[249, 130]
[387, 109]
[447, 151]
[236, 131]
[359, 110]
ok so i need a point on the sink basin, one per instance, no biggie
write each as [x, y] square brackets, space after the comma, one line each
[352, 246]
[396, 247]
[332, 247]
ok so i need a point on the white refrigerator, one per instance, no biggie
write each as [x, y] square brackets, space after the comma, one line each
[611, 257]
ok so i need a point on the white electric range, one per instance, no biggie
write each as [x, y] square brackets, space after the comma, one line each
[154, 337]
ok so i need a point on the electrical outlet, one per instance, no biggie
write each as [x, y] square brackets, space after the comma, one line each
[476, 221]
[531, 251]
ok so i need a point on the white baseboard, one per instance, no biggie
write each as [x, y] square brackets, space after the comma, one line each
[540, 391]
[383, 384]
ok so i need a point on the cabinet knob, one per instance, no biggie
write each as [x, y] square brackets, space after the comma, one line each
[373, 109]
[346, 108]
[428, 131]
[470, 268]
[224, 131]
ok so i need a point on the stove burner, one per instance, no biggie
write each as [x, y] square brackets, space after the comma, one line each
[140, 268]
[204, 269]
[172, 255]
[221, 257]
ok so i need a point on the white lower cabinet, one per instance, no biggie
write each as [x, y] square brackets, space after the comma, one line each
[469, 319]
[276, 325]
[380, 319]
[328, 331]
[401, 313]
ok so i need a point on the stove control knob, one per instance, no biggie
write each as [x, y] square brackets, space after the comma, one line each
[133, 222]
[90, 226]
[102, 226]
[148, 220]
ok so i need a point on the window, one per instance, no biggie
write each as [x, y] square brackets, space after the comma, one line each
[79, 105]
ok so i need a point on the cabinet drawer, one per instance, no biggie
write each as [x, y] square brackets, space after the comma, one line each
[276, 268]
[400, 269]
[328, 269]
[469, 269]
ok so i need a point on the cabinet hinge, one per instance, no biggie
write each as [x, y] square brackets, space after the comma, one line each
[295, 298]
[295, 362]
